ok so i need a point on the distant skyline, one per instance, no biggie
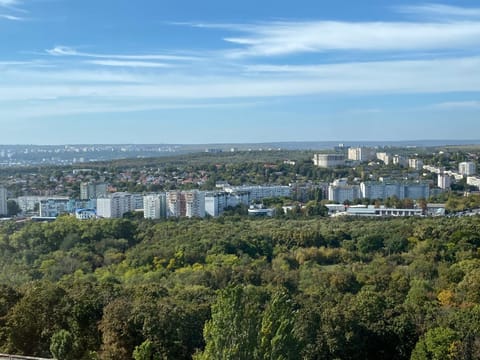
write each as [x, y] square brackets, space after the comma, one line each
[148, 71]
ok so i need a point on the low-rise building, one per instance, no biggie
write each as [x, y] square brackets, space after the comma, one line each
[328, 160]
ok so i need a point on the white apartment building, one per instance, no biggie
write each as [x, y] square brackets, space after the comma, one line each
[383, 190]
[467, 168]
[185, 203]
[195, 204]
[328, 160]
[155, 206]
[444, 181]
[383, 156]
[3, 201]
[53, 207]
[261, 192]
[361, 154]
[115, 205]
[342, 193]
[416, 164]
[473, 181]
[238, 197]
[215, 203]
[91, 190]
[399, 160]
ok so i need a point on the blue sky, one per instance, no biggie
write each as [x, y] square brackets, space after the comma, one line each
[154, 71]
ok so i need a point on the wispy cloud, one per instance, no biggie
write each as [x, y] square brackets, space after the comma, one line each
[11, 17]
[68, 107]
[284, 38]
[440, 11]
[11, 9]
[135, 64]
[9, 3]
[454, 105]
[68, 51]
[388, 77]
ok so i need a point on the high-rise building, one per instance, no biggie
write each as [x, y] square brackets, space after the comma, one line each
[261, 192]
[195, 204]
[339, 191]
[186, 203]
[52, 207]
[361, 154]
[3, 202]
[383, 156]
[416, 164]
[115, 205]
[444, 181]
[467, 168]
[328, 160]
[91, 190]
[155, 206]
[399, 160]
[215, 203]
[401, 190]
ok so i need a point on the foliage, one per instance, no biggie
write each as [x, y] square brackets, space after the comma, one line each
[240, 288]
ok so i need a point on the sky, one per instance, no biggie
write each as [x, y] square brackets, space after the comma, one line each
[216, 71]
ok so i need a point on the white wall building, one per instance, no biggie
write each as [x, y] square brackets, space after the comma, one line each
[155, 206]
[186, 203]
[383, 190]
[473, 181]
[3, 201]
[383, 156]
[399, 160]
[195, 204]
[91, 190]
[416, 164]
[361, 154]
[261, 192]
[115, 205]
[343, 193]
[328, 160]
[215, 203]
[467, 168]
[444, 181]
[53, 207]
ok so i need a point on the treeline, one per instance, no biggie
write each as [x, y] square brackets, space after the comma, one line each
[239, 288]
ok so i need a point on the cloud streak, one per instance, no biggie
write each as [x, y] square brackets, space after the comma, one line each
[68, 51]
[134, 64]
[11, 17]
[388, 77]
[285, 38]
[440, 11]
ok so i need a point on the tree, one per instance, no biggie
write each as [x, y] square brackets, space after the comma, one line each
[13, 208]
[276, 339]
[232, 332]
[145, 351]
[61, 345]
[438, 344]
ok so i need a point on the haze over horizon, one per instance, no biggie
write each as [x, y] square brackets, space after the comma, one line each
[115, 72]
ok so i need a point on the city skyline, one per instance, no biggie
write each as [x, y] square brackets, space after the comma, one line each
[211, 72]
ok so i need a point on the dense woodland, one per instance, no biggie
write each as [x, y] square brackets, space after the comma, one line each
[239, 288]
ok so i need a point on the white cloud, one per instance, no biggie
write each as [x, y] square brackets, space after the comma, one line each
[68, 51]
[283, 38]
[388, 77]
[453, 105]
[11, 17]
[48, 107]
[440, 10]
[9, 3]
[136, 64]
